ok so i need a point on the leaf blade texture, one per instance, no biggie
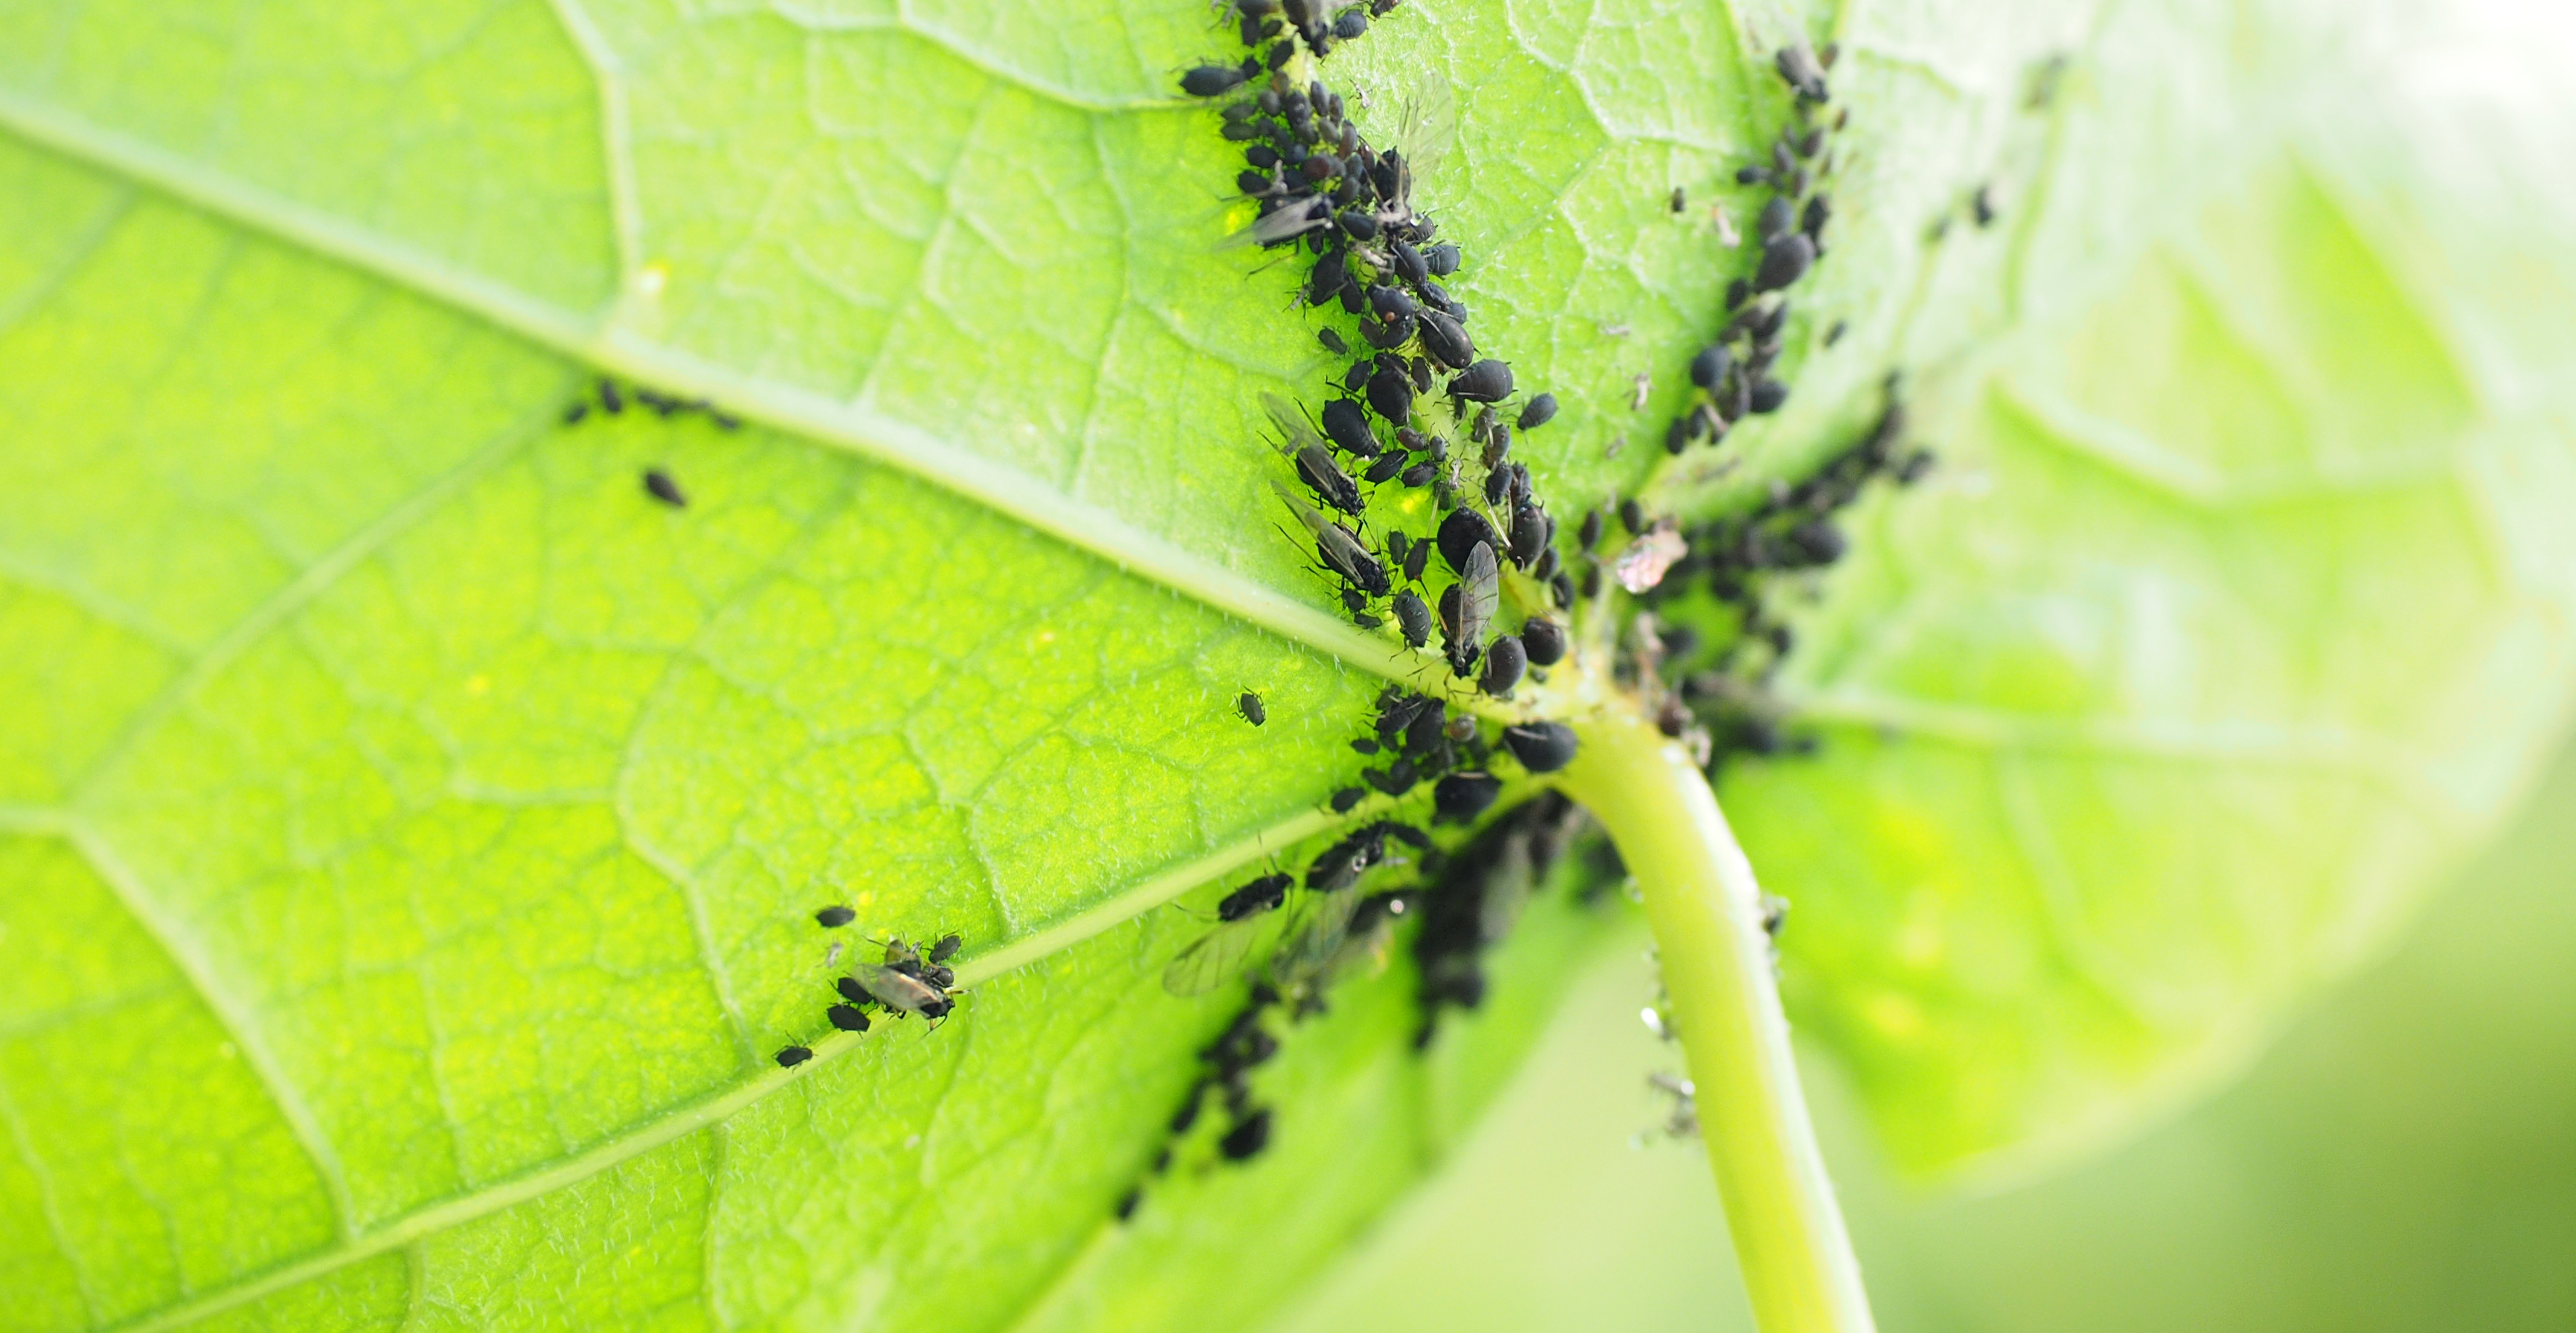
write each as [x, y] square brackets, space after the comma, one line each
[437, 815]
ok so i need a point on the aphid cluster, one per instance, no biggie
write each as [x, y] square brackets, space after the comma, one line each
[1273, 29]
[612, 398]
[1733, 560]
[1731, 376]
[1330, 927]
[1416, 407]
[1475, 899]
[1419, 740]
[908, 980]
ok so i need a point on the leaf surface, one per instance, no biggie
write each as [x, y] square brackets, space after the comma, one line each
[387, 773]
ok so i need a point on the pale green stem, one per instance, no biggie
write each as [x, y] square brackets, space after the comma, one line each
[1706, 913]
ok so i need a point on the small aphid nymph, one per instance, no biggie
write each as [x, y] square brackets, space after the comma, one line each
[1248, 705]
[791, 1056]
[835, 917]
[658, 484]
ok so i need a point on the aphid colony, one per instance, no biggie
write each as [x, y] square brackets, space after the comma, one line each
[611, 399]
[1418, 408]
[1731, 376]
[909, 980]
[1476, 898]
[1733, 561]
[1272, 30]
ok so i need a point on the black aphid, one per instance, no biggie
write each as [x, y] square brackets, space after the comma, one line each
[1261, 895]
[1386, 469]
[1538, 412]
[1331, 485]
[1710, 365]
[1342, 552]
[1340, 866]
[1981, 205]
[1542, 747]
[1127, 1202]
[1798, 69]
[1487, 381]
[1446, 340]
[833, 918]
[1835, 334]
[1419, 558]
[1460, 797]
[1738, 292]
[1784, 260]
[1412, 616]
[1529, 534]
[1347, 797]
[1248, 1137]
[1348, 426]
[575, 413]
[1542, 639]
[1632, 516]
[1505, 662]
[1390, 394]
[946, 948]
[1441, 259]
[610, 401]
[1681, 199]
[847, 1018]
[1249, 705]
[1212, 80]
[1332, 342]
[1408, 262]
[1768, 395]
[791, 1056]
[1461, 532]
[1777, 218]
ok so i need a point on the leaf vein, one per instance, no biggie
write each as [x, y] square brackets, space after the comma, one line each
[229, 1011]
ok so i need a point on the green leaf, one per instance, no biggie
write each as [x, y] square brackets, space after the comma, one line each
[436, 817]
[2240, 607]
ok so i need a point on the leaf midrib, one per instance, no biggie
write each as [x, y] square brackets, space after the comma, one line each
[597, 340]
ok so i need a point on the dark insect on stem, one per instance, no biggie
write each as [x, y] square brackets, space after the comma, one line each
[1249, 706]
[1542, 747]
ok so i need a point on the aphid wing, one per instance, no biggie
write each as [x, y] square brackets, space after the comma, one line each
[1316, 936]
[1296, 433]
[1427, 127]
[1307, 514]
[1212, 959]
[1480, 593]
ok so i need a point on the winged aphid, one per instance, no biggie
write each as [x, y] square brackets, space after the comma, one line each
[1217, 957]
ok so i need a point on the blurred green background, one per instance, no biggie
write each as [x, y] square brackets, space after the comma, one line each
[2404, 1158]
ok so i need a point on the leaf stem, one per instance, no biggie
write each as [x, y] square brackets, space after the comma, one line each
[1705, 910]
